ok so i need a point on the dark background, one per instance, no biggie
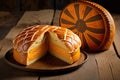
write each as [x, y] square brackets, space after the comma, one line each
[23, 5]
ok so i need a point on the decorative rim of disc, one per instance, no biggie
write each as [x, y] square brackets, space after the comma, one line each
[76, 22]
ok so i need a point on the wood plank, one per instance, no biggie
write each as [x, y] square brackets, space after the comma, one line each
[7, 21]
[56, 17]
[86, 72]
[117, 35]
[108, 62]
[9, 73]
[5, 46]
[108, 65]
[37, 17]
[29, 18]
[42, 17]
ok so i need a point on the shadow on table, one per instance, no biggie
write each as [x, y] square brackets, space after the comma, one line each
[9, 73]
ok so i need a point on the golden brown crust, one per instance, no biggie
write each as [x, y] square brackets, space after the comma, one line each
[28, 44]
[20, 58]
[70, 39]
[25, 38]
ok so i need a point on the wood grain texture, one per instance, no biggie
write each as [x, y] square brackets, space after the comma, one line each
[37, 17]
[32, 18]
[100, 66]
[56, 17]
[29, 18]
[7, 21]
[117, 35]
[108, 65]
[86, 72]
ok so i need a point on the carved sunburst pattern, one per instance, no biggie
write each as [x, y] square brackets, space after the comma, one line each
[86, 22]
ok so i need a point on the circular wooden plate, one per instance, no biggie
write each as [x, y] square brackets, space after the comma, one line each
[46, 64]
[91, 22]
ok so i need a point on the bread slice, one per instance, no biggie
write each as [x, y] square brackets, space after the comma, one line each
[58, 49]
[37, 50]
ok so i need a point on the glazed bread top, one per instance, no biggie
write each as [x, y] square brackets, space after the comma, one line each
[23, 41]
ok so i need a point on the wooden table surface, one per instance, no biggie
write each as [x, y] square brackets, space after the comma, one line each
[100, 66]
